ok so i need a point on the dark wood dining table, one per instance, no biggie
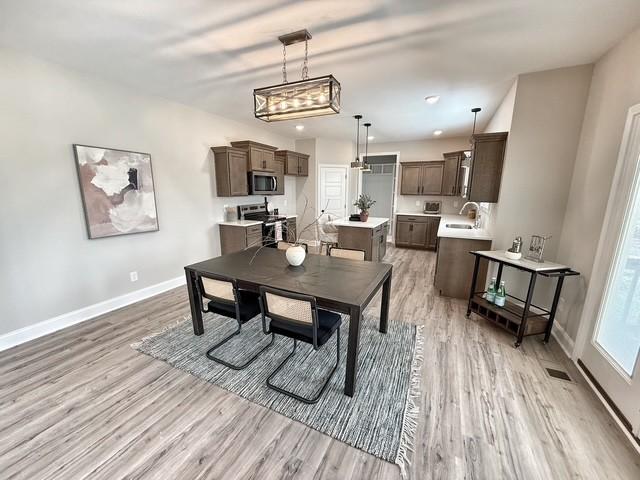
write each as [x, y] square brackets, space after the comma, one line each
[340, 285]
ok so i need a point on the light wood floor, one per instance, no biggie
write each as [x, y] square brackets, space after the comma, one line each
[82, 404]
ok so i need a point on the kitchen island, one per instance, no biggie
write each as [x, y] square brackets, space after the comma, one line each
[370, 236]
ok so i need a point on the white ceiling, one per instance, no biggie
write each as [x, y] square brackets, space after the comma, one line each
[388, 55]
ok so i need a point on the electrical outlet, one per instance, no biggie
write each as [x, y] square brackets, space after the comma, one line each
[285, 202]
[455, 203]
[133, 276]
[417, 203]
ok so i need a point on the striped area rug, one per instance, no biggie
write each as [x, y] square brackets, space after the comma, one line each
[380, 418]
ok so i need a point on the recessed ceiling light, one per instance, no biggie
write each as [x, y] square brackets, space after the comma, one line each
[371, 137]
[431, 99]
[299, 127]
[437, 132]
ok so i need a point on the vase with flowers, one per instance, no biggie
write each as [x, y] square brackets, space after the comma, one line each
[364, 203]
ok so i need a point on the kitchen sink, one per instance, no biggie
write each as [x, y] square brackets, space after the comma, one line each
[459, 225]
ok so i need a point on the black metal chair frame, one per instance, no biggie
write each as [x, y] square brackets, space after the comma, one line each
[236, 303]
[314, 317]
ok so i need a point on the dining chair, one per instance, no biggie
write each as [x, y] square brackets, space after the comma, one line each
[327, 234]
[282, 245]
[350, 253]
[226, 299]
[297, 316]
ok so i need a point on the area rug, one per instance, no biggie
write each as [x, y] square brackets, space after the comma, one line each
[379, 419]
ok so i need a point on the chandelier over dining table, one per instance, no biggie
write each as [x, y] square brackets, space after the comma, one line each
[308, 97]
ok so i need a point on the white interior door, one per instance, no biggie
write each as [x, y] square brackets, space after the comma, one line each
[611, 350]
[333, 190]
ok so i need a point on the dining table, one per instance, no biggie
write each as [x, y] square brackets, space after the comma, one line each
[338, 284]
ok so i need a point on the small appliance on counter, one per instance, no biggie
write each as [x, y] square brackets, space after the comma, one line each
[432, 208]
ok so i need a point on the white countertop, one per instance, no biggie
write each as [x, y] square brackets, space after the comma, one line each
[241, 223]
[523, 262]
[419, 214]
[372, 222]
[471, 234]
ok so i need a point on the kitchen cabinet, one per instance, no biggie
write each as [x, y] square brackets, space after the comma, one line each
[295, 163]
[454, 266]
[260, 157]
[453, 174]
[230, 165]
[417, 231]
[487, 158]
[372, 240]
[278, 169]
[234, 238]
[421, 178]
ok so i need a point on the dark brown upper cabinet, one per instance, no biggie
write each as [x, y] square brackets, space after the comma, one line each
[259, 156]
[295, 163]
[487, 158]
[421, 178]
[231, 171]
[453, 176]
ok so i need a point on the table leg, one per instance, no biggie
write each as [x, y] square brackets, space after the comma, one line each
[554, 307]
[196, 314]
[525, 312]
[474, 279]
[384, 306]
[352, 351]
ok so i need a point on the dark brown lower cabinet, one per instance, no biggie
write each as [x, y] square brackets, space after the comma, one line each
[234, 238]
[417, 231]
[454, 266]
[372, 240]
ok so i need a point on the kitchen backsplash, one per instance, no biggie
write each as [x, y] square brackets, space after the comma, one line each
[407, 203]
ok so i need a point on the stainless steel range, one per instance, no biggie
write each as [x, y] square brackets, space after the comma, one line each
[274, 227]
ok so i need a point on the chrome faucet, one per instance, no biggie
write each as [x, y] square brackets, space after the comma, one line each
[477, 222]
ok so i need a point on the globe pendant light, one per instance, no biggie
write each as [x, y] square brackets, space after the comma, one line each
[309, 97]
[365, 165]
[357, 163]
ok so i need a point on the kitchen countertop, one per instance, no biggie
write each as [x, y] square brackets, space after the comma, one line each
[419, 214]
[471, 234]
[241, 223]
[372, 222]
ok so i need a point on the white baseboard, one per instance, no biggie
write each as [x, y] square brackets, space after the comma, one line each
[22, 335]
[563, 338]
[613, 414]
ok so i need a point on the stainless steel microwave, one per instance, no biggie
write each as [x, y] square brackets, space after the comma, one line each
[263, 183]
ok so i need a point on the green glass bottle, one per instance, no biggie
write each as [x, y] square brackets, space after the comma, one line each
[491, 291]
[501, 296]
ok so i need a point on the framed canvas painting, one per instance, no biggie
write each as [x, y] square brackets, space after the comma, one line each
[117, 191]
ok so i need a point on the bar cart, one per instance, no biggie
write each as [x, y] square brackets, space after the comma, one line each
[525, 319]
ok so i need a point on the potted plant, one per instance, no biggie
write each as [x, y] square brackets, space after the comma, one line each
[364, 203]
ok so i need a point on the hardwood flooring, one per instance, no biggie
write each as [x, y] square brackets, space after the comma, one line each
[81, 403]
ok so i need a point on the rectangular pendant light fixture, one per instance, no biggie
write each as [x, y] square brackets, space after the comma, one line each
[305, 98]
[309, 97]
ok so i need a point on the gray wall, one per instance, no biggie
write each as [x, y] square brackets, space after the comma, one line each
[615, 88]
[48, 266]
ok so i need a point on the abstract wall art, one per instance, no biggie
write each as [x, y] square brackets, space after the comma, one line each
[117, 191]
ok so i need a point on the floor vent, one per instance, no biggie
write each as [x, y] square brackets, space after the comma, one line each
[555, 373]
